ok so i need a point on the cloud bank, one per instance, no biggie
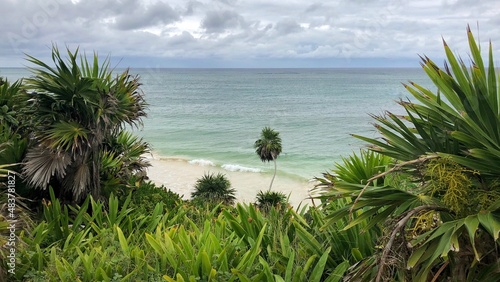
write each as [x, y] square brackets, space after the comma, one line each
[237, 33]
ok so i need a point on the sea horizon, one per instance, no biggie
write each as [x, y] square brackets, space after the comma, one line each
[212, 116]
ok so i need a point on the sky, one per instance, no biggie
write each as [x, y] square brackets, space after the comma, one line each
[246, 33]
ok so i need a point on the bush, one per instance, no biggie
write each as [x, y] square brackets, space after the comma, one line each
[214, 188]
[147, 195]
[266, 200]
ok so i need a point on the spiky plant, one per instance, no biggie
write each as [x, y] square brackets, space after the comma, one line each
[122, 160]
[214, 188]
[269, 199]
[446, 225]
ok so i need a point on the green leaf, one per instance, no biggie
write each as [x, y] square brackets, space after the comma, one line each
[123, 241]
[415, 256]
[338, 273]
[317, 272]
[241, 276]
[490, 223]
[289, 266]
[308, 239]
[356, 254]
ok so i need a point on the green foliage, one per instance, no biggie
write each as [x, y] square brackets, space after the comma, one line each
[437, 223]
[13, 146]
[13, 100]
[13, 208]
[271, 199]
[147, 196]
[351, 234]
[359, 169]
[77, 108]
[128, 151]
[445, 242]
[461, 121]
[123, 163]
[13, 129]
[90, 243]
[213, 188]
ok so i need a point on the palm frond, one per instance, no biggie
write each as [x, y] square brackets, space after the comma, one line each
[465, 124]
[43, 163]
[268, 146]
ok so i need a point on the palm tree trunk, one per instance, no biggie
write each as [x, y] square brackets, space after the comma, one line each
[272, 180]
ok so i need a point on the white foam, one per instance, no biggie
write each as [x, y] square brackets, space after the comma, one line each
[201, 162]
[235, 167]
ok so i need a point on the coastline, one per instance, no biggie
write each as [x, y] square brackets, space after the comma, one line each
[180, 175]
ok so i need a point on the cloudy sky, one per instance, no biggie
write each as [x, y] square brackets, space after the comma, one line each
[246, 33]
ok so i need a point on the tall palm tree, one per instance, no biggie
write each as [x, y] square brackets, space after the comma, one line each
[76, 106]
[268, 147]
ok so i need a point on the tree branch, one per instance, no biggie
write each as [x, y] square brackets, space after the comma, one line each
[397, 228]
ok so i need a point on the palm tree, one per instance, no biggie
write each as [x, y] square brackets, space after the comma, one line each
[268, 147]
[123, 163]
[76, 107]
[441, 219]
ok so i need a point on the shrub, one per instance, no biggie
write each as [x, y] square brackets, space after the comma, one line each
[266, 200]
[147, 195]
[214, 188]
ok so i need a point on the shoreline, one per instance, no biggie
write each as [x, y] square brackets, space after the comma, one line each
[180, 175]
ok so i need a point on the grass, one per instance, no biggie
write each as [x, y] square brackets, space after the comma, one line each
[119, 243]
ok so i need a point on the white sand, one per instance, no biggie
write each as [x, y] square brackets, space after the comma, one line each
[180, 176]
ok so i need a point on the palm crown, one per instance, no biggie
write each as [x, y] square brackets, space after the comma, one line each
[268, 147]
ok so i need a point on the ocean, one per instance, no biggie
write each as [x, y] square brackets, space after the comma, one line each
[212, 117]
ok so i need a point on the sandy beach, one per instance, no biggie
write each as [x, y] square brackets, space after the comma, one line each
[180, 176]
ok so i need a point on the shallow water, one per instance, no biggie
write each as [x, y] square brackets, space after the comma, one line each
[215, 115]
[210, 119]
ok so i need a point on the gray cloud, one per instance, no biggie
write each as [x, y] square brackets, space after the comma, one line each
[287, 26]
[142, 17]
[191, 6]
[220, 21]
[244, 30]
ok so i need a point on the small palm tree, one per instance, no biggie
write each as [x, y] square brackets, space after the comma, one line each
[268, 147]
[214, 188]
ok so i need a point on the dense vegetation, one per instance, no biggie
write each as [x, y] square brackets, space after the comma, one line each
[422, 203]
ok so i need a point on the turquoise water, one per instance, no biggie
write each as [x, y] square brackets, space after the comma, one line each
[215, 115]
